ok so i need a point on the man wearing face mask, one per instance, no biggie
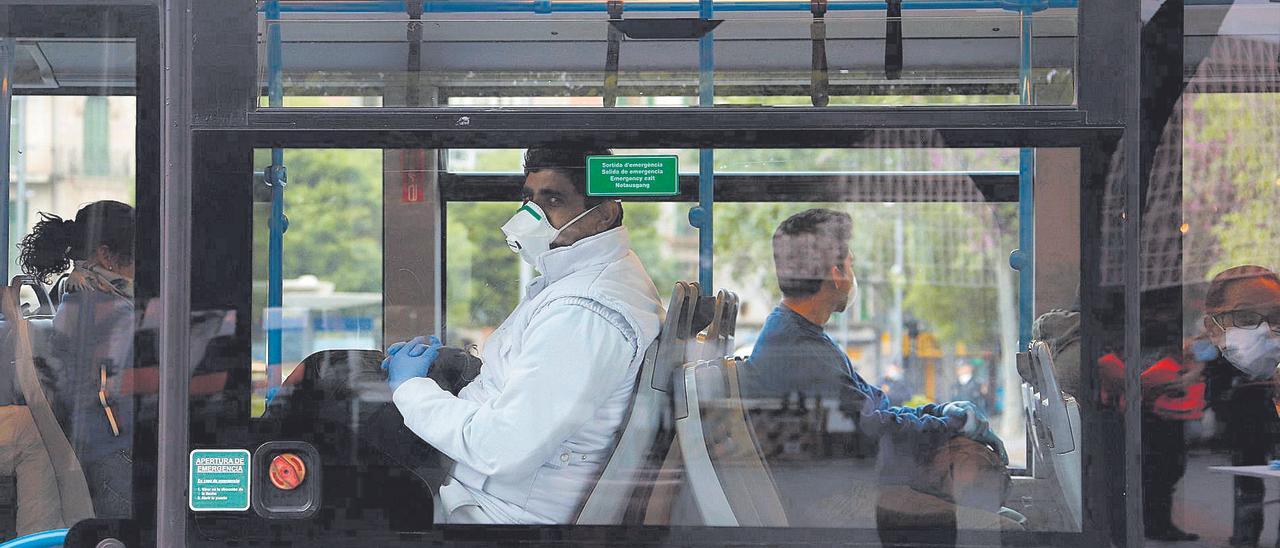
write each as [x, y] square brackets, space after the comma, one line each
[1242, 321]
[531, 432]
[793, 354]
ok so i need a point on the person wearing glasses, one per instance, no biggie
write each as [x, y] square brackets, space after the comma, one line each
[1242, 323]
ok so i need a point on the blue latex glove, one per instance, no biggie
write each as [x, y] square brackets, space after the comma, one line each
[408, 360]
[973, 424]
[926, 410]
[910, 419]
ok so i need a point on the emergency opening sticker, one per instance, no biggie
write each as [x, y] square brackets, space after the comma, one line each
[633, 176]
[219, 480]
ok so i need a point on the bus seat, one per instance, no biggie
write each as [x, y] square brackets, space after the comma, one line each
[717, 339]
[39, 316]
[317, 401]
[41, 329]
[641, 483]
[709, 335]
[725, 471]
[1054, 418]
[26, 343]
[689, 332]
[621, 494]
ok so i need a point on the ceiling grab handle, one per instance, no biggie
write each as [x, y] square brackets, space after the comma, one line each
[893, 40]
[610, 93]
[818, 76]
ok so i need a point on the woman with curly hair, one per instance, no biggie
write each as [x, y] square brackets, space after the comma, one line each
[91, 346]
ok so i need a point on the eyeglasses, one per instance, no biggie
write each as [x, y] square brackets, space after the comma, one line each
[1247, 319]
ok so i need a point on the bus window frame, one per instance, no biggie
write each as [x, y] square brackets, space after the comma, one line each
[138, 22]
[227, 126]
[240, 144]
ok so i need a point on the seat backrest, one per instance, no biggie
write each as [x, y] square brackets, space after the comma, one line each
[641, 483]
[1054, 417]
[316, 403]
[41, 332]
[717, 341]
[683, 334]
[73, 490]
[626, 481]
[39, 317]
[725, 470]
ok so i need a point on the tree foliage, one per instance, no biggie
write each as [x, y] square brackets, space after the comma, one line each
[333, 202]
[1232, 176]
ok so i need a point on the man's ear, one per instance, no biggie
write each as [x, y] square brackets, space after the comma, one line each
[596, 221]
[610, 212]
[839, 278]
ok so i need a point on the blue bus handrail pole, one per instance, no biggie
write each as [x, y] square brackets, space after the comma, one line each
[706, 156]
[1026, 198]
[275, 247]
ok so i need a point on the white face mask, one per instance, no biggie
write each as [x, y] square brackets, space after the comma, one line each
[853, 294]
[530, 233]
[1253, 351]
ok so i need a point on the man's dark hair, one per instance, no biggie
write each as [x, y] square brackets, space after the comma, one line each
[568, 160]
[571, 161]
[806, 246]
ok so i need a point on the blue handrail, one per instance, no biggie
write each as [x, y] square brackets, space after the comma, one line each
[277, 224]
[598, 6]
[1026, 265]
[706, 156]
[45, 539]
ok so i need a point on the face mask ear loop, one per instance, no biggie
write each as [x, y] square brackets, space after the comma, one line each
[575, 219]
[1214, 317]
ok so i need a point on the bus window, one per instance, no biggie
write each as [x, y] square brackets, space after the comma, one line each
[330, 286]
[929, 327]
[665, 272]
[78, 390]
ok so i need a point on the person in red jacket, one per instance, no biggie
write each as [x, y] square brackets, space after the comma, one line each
[1170, 389]
[1173, 392]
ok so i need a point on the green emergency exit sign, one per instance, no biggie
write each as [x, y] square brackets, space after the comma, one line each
[219, 480]
[633, 176]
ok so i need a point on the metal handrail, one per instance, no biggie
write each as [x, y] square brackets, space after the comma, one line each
[596, 6]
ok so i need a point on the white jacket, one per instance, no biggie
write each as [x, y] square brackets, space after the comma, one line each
[531, 433]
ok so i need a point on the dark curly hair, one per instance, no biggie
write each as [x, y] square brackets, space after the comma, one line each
[54, 243]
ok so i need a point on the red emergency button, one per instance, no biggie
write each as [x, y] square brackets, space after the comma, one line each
[287, 471]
